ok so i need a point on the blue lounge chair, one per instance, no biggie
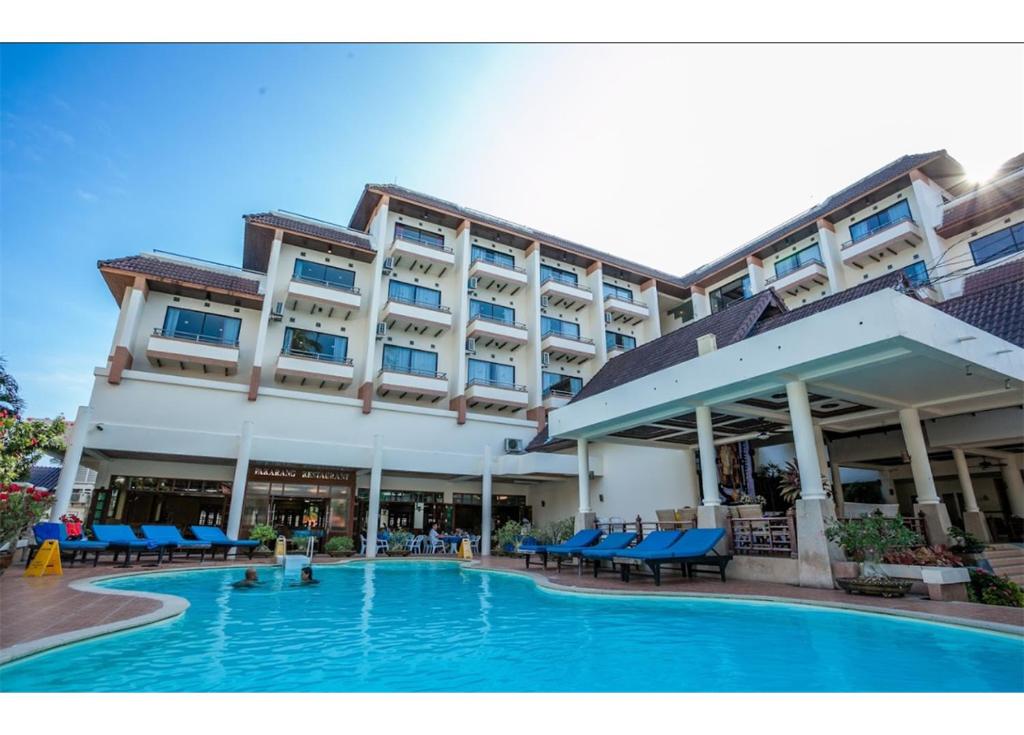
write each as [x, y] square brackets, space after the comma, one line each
[214, 536]
[695, 548]
[653, 542]
[57, 532]
[612, 542]
[582, 539]
[121, 538]
[175, 541]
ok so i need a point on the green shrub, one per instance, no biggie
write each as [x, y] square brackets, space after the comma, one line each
[339, 543]
[509, 536]
[870, 538]
[263, 533]
[398, 540]
[555, 532]
[964, 542]
[990, 589]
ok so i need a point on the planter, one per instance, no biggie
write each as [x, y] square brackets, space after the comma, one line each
[6, 558]
[875, 586]
[845, 569]
[262, 553]
[337, 554]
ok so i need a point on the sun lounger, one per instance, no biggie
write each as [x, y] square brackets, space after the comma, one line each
[57, 532]
[612, 542]
[695, 548]
[171, 536]
[654, 542]
[216, 537]
[121, 538]
[582, 539]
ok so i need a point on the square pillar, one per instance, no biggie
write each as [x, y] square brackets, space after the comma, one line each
[831, 256]
[690, 482]
[701, 302]
[755, 271]
[974, 519]
[485, 504]
[805, 439]
[239, 480]
[584, 516]
[1014, 486]
[72, 459]
[373, 511]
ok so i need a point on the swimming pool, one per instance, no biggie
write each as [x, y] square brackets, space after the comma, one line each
[415, 626]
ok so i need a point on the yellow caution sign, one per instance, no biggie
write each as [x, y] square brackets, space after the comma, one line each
[465, 549]
[46, 561]
[281, 547]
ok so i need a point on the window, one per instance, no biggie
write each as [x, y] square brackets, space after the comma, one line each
[326, 275]
[494, 312]
[729, 294]
[492, 373]
[550, 325]
[492, 256]
[307, 343]
[683, 312]
[410, 293]
[998, 244]
[616, 341]
[408, 360]
[797, 260]
[880, 220]
[917, 273]
[558, 383]
[421, 237]
[616, 292]
[201, 326]
[550, 273]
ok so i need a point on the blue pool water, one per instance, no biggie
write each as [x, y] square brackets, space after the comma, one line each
[435, 627]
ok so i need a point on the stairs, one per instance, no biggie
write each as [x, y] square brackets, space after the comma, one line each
[1007, 560]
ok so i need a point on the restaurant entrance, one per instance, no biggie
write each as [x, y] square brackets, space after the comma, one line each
[408, 510]
[468, 510]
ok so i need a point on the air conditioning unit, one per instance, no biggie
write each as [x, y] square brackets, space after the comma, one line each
[608, 317]
[471, 345]
[544, 302]
[277, 313]
[382, 329]
[473, 283]
[545, 359]
[388, 265]
[515, 446]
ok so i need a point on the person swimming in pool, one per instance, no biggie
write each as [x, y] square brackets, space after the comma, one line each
[251, 579]
[306, 576]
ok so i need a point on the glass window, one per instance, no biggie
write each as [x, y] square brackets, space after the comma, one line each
[879, 220]
[408, 360]
[559, 383]
[492, 256]
[548, 272]
[617, 292]
[550, 325]
[327, 275]
[494, 312]
[798, 259]
[917, 273]
[729, 294]
[492, 373]
[201, 326]
[614, 340]
[414, 234]
[683, 312]
[998, 244]
[306, 342]
[410, 293]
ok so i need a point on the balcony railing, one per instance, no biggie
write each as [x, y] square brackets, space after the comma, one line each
[876, 230]
[495, 320]
[413, 371]
[764, 536]
[496, 384]
[626, 299]
[326, 284]
[499, 264]
[793, 268]
[573, 337]
[404, 238]
[198, 338]
[641, 527]
[555, 393]
[317, 356]
[565, 281]
[420, 304]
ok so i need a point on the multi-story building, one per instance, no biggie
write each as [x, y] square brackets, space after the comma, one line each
[394, 370]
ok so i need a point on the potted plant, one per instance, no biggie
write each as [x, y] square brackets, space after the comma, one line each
[265, 534]
[340, 546]
[789, 482]
[967, 545]
[398, 543]
[509, 536]
[867, 540]
[21, 506]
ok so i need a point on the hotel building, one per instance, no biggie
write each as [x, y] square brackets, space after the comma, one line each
[428, 362]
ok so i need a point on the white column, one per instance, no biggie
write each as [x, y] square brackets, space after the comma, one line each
[804, 439]
[755, 271]
[649, 295]
[373, 512]
[701, 303]
[831, 256]
[708, 456]
[460, 310]
[72, 458]
[136, 301]
[928, 197]
[1014, 486]
[485, 504]
[966, 484]
[239, 480]
[534, 381]
[691, 489]
[920, 467]
[269, 285]
[595, 282]
[583, 459]
[375, 290]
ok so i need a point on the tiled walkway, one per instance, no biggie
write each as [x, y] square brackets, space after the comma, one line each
[33, 608]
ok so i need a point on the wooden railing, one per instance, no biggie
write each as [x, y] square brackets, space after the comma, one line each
[641, 527]
[764, 536]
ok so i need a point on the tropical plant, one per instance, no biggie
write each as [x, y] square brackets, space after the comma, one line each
[555, 532]
[23, 441]
[789, 482]
[991, 589]
[870, 538]
[263, 533]
[509, 536]
[398, 540]
[965, 542]
[338, 544]
[20, 507]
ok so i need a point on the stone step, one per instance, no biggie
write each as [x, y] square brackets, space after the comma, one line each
[1008, 570]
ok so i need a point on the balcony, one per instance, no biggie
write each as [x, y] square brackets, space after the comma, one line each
[496, 275]
[616, 350]
[418, 383]
[803, 275]
[565, 293]
[192, 351]
[561, 346]
[494, 330]
[419, 316]
[305, 366]
[625, 310]
[310, 294]
[414, 252]
[556, 398]
[889, 239]
[487, 394]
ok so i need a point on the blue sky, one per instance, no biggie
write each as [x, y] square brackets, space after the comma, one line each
[113, 150]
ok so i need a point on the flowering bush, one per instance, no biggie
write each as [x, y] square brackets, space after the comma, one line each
[990, 589]
[20, 507]
[924, 556]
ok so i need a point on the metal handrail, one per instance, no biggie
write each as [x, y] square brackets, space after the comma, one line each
[420, 304]
[793, 269]
[875, 231]
[565, 282]
[198, 338]
[516, 268]
[628, 300]
[496, 384]
[442, 247]
[555, 393]
[584, 340]
[326, 284]
[413, 371]
[316, 356]
[493, 320]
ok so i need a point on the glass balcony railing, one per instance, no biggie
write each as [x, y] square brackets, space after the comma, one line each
[418, 372]
[566, 335]
[307, 355]
[217, 340]
[861, 236]
[564, 280]
[498, 320]
[498, 263]
[792, 267]
[419, 302]
[411, 238]
[491, 383]
[326, 284]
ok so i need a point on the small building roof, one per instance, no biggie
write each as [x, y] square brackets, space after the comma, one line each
[166, 274]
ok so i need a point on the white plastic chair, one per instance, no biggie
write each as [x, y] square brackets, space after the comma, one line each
[433, 546]
[416, 544]
[474, 544]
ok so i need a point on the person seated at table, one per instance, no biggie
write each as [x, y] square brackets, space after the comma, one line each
[251, 579]
[434, 535]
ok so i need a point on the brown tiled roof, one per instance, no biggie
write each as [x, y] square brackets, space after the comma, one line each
[311, 228]
[995, 276]
[994, 302]
[991, 201]
[183, 273]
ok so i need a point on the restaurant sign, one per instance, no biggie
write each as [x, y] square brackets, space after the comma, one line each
[291, 473]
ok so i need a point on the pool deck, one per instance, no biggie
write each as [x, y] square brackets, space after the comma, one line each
[43, 612]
